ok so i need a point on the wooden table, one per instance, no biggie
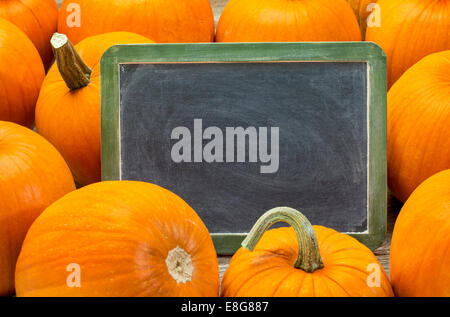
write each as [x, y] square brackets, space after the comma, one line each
[382, 253]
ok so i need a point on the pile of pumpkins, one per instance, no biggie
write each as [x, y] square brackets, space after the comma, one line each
[127, 238]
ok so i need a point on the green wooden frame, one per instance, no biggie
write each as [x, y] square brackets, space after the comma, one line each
[367, 52]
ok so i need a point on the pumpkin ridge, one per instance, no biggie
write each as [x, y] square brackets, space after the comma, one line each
[313, 25]
[427, 146]
[426, 17]
[337, 283]
[348, 266]
[33, 176]
[23, 56]
[340, 20]
[251, 279]
[417, 114]
[420, 268]
[393, 50]
[97, 62]
[284, 278]
[248, 278]
[331, 233]
[427, 207]
[34, 15]
[297, 20]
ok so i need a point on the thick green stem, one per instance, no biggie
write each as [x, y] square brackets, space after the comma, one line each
[73, 70]
[308, 259]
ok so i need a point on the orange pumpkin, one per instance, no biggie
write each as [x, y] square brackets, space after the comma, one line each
[420, 257]
[119, 238]
[37, 19]
[362, 9]
[164, 21]
[68, 108]
[287, 21]
[32, 176]
[21, 75]
[271, 263]
[419, 124]
[409, 31]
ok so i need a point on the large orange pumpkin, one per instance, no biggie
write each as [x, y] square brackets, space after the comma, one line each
[327, 263]
[420, 257]
[38, 19]
[32, 176]
[21, 75]
[409, 31]
[287, 21]
[68, 109]
[362, 9]
[119, 238]
[164, 21]
[419, 124]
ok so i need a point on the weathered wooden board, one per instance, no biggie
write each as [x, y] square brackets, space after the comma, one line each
[237, 129]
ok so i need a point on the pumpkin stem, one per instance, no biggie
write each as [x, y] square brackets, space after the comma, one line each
[308, 259]
[73, 70]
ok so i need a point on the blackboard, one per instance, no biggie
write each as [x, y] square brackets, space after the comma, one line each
[238, 129]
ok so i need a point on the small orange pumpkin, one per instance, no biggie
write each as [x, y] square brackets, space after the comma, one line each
[410, 30]
[419, 124]
[68, 108]
[271, 263]
[119, 238]
[21, 75]
[420, 257]
[164, 21]
[38, 19]
[32, 176]
[287, 21]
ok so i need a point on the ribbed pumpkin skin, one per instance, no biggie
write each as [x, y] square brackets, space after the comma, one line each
[287, 21]
[21, 75]
[38, 19]
[70, 120]
[361, 12]
[32, 176]
[418, 124]
[163, 21]
[120, 233]
[269, 270]
[420, 257]
[410, 30]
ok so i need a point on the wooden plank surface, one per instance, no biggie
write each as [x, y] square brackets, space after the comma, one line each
[382, 253]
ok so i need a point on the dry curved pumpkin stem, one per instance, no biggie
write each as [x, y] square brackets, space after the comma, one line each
[72, 68]
[308, 259]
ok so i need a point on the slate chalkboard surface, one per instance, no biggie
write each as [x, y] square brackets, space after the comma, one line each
[235, 138]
